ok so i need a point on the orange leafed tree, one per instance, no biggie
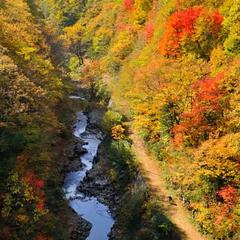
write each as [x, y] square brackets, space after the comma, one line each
[182, 26]
[205, 111]
[128, 4]
[228, 194]
[179, 24]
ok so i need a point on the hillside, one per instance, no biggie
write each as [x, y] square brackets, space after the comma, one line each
[172, 69]
[31, 88]
[173, 66]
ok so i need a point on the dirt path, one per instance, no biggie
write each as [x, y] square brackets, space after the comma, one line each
[174, 211]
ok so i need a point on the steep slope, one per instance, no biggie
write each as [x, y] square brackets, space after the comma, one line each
[175, 66]
[173, 63]
[31, 87]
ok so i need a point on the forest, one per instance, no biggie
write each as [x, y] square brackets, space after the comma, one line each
[170, 67]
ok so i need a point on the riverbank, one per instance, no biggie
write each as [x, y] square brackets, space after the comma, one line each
[72, 226]
[69, 151]
[98, 182]
[114, 180]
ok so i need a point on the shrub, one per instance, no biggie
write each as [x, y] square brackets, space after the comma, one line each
[111, 119]
[123, 161]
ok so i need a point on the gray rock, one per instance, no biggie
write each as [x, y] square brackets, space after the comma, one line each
[79, 150]
[81, 231]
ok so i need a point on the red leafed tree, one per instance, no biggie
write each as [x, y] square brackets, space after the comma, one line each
[32, 180]
[128, 4]
[207, 90]
[224, 213]
[205, 112]
[181, 26]
[228, 194]
[37, 186]
[40, 205]
[217, 20]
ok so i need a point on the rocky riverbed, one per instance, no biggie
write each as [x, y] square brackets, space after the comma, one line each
[87, 188]
[97, 184]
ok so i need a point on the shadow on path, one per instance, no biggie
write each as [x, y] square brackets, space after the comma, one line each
[172, 208]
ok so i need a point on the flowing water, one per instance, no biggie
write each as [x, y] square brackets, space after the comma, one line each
[88, 208]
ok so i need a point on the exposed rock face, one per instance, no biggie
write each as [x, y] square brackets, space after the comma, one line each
[95, 118]
[79, 149]
[79, 228]
[75, 163]
[97, 184]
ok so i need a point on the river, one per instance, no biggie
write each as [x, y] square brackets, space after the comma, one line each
[89, 208]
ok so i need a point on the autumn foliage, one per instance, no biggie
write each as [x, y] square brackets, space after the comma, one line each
[35, 182]
[31, 86]
[196, 125]
[128, 4]
[118, 132]
[179, 80]
[228, 194]
[182, 27]
[172, 67]
[149, 31]
[179, 25]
